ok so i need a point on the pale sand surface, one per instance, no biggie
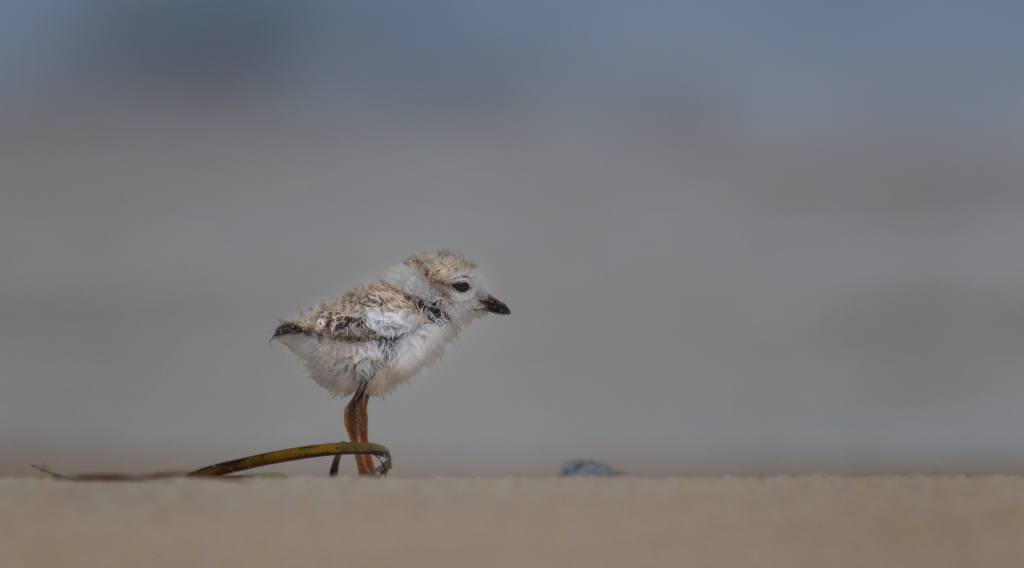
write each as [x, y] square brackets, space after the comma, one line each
[906, 521]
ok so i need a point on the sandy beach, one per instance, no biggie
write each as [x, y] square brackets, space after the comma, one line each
[906, 521]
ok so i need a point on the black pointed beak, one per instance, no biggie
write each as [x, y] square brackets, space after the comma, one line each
[495, 306]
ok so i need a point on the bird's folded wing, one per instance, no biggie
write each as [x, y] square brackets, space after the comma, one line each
[364, 323]
[376, 311]
[373, 312]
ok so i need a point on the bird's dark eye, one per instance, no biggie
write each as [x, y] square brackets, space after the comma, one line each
[461, 286]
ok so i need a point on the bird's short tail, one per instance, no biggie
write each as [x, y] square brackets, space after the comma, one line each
[287, 328]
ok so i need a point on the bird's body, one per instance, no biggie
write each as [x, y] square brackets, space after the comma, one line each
[373, 332]
[373, 338]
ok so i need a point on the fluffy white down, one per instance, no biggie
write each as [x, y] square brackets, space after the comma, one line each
[391, 324]
[409, 280]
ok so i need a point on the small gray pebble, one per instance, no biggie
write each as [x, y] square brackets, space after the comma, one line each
[594, 468]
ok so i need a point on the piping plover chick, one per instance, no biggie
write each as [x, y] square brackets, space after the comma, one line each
[371, 339]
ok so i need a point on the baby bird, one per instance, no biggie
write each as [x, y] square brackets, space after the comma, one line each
[373, 338]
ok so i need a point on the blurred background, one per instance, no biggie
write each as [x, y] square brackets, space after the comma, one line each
[736, 237]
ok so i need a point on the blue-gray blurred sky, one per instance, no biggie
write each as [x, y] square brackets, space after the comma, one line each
[735, 236]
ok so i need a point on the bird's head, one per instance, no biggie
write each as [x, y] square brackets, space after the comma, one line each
[447, 281]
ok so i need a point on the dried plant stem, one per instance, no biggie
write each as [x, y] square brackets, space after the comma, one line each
[242, 464]
[300, 453]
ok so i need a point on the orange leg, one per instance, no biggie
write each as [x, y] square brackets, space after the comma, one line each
[356, 424]
[362, 422]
